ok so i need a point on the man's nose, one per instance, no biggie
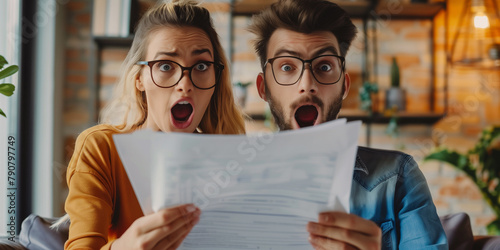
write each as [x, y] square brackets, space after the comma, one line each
[307, 83]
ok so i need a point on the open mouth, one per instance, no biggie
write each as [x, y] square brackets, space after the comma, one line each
[182, 111]
[306, 115]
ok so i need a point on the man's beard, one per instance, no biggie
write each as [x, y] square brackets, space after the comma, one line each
[279, 117]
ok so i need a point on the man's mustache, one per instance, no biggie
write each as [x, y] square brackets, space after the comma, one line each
[307, 99]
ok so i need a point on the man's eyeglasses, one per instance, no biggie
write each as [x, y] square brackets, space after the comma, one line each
[326, 69]
[166, 73]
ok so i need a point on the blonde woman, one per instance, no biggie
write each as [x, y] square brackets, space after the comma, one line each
[175, 78]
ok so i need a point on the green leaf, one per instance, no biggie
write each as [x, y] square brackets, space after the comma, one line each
[2, 62]
[2, 113]
[8, 71]
[451, 157]
[7, 89]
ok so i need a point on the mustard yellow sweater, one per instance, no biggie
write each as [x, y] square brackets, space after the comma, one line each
[101, 202]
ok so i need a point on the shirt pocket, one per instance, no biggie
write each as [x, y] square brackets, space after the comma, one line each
[387, 228]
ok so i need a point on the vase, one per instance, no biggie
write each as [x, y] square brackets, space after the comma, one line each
[395, 97]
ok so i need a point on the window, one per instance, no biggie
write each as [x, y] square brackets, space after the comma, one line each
[9, 48]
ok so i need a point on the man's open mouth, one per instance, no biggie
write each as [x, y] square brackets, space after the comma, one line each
[306, 115]
[182, 111]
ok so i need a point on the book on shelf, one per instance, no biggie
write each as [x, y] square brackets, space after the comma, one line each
[99, 18]
[111, 18]
[125, 18]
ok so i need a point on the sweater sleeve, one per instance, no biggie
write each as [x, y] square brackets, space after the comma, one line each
[90, 200]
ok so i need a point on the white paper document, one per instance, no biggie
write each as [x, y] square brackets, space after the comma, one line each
[255, 192]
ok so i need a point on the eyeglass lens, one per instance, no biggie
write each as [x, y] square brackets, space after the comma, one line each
[169, 73]
[325, 69]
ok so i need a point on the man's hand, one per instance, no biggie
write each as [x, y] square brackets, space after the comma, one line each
[337, 230]
[165, 229]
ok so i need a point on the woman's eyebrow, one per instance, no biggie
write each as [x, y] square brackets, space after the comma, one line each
[164, 53]
[201, 51]
[195, 52]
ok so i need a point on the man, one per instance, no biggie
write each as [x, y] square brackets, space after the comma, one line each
[302, 46]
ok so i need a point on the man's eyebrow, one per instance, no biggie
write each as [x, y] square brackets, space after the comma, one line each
[285, 51]
[327, 49]
[330, 49]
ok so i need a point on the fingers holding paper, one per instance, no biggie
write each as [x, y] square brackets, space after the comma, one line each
[165, 229]
[338, 230]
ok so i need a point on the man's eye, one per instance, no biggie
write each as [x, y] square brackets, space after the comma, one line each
[165, 67]
[325, 67]
[286, 67]
[201, 66]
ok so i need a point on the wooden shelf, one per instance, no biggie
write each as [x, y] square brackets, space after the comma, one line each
[114, 41]
[250, 7]
[388, 9]
[427, 118]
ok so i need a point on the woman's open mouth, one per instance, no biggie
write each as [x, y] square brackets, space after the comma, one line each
[182, 114]
[306, 115]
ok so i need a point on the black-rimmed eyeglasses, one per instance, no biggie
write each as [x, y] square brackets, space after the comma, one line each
[326, 69]
[167, 73]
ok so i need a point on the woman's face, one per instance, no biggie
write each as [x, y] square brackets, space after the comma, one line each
[181, 107]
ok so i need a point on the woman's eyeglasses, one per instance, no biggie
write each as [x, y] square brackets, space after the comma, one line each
[167, 73]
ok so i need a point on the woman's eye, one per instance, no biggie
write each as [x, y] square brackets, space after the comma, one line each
[201, 66]
[325, 67]
[165, 67]
[286, 67]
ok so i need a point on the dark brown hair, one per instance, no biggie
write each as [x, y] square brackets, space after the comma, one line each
[304, 16]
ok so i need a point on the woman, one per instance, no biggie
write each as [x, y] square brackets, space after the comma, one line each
[175, 79]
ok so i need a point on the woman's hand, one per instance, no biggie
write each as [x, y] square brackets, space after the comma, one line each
[165, 229]
[337, 230]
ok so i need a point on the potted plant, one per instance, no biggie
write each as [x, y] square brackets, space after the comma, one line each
[482, 165]
[367, 95]
[395, 97]
[6, 89]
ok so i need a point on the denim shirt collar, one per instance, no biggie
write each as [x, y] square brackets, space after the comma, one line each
[360, 165]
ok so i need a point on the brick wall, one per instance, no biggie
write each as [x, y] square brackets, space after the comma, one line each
[474, 95]
[78, 109]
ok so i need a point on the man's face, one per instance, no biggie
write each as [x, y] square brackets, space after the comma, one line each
[307, 102]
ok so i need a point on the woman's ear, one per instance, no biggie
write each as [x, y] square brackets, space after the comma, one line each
[139, 83]
[261, 86]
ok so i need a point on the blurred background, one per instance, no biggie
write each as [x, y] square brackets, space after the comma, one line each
[425, 75]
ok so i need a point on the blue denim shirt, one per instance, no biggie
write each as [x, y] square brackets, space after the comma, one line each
[389, 189]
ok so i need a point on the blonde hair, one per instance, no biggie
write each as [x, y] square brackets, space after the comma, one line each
[127, 109]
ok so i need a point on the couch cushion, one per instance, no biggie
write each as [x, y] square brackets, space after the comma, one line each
[36, 233]
[5, 243]
[458, 230]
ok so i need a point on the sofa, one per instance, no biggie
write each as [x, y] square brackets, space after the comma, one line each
[459, 233]
[36, 234]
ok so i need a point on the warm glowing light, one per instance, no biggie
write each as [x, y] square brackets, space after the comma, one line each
[481, 21]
